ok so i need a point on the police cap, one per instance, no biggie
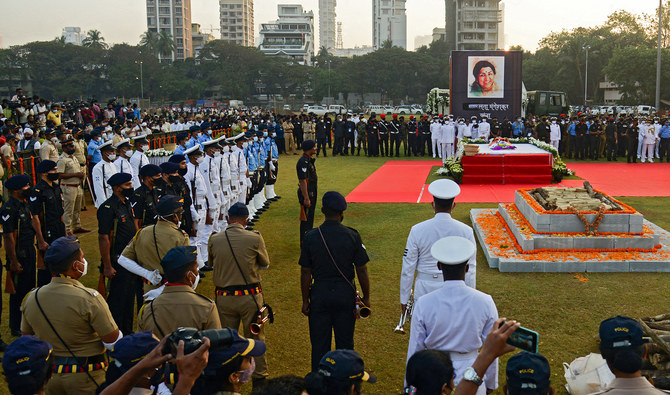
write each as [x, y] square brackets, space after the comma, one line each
[150, 170]
[26, 355]
[619, 332]
[241, 346]
[131, 349]
[60, 249]
[528, 372]
[177, 158]
[168, 204]
[453, 250]
[17, 182]
[178, 257]
[66, 142]
[334, 201]
[118, 179]
[238, 210]
[45, 165]
[344, 365]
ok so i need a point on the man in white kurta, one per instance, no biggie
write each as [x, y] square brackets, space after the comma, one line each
[422, 236]
[139, 159]
[455, 318]
[102, 172]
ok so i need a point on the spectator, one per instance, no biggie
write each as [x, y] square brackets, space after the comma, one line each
[339, 372]
[27, 365]
[55, 115]
[40, 111]
[429, 372]
[528, 374]
[18, 96]
[28, 142]
[109, 112]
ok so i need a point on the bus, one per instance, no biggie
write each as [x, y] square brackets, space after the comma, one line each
[550, 103]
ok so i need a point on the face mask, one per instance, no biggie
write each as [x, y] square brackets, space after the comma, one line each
[246, 373]
[245, 145]
[195, 282]
[52, 176]
[83, 273]
[26, 193]
[226, 148]
[209, 132]
[127, 193]
[104, 136]
[127, 153]
[217, 154]
[553, 122]
[200, 159]
[182, 172]
[265, 134]
[145, 147]
[199, 134]
[54, 140]
[112, 157]
[255, 138]
[274, 135]
[159, 182]
[174, 179]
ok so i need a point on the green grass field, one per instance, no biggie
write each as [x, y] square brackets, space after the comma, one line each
[564, 311]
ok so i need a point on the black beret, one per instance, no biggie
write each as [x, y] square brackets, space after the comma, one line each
[17, 182]
[177, 158]
[119, 178]
[60, 249]
[182, 136]
[168, 204]
[150, 170]
[67, 141]
[45, 165]
[178, 257]
[334, 200]
[169, 167]
[238, 210]
[308, 145]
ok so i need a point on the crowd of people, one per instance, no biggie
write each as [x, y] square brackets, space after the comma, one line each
[162, 228]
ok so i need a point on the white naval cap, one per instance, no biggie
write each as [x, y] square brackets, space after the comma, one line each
[122, 142]
[444, 189]
[195, 150]
[453, 250]
[105, 145]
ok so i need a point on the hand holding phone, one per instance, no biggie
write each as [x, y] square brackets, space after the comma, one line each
[524, 339]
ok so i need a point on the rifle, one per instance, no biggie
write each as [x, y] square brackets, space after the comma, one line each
[102, 284]
[10, 287]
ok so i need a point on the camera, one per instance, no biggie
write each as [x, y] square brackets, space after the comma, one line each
[193, 339]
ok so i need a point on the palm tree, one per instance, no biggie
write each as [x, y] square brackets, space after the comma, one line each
[165, 44]
[149, 40]
[94, 39]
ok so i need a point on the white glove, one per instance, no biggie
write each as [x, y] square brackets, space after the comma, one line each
[272, 166]
[155, 277]
[134, 268]
[153, 294]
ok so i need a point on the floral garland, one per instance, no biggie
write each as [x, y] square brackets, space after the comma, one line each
[590, 228]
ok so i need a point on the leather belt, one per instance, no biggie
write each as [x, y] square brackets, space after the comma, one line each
[437, 277]
[239, 290]
[70, 185]
[79, 365]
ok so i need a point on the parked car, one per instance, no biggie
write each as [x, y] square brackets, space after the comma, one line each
[416, 110]
[377, 110]
[388, 109]
[336, 109]
[402, 110]
[644, 110]
[317, 110]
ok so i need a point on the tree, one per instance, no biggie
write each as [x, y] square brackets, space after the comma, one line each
[150, 41]
[165, 45]
[94, 39]
[387, 44]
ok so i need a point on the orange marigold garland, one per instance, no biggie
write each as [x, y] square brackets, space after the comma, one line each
[590, 228]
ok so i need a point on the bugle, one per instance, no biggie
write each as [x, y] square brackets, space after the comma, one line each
[406, 316]
[362, 311]
[261, 318]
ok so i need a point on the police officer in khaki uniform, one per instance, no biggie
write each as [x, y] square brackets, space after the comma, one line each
[74, 319]
[48, 150]
[71, 175]
[144, 253]
[237, 256]
[80, 150]
[179, 305]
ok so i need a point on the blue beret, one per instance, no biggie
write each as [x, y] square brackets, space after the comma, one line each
[241, 346]
[26, 355]
[169, 167]
[150, 170]
[178, 257]
[45, 165]
[248, 134]
[194, 128]
[17, 182]
[60, 249]
[130, 349]
[308, 145]
[168, 204]
[334, 200]
[260, 133]
[238, 210]
[177, 158]
[119, 178]
[182, 136]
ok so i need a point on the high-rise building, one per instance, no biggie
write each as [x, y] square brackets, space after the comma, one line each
[237, 21]
[174, 17]
[72, 35]
[327, 32]
[290, 36]
[474, 24]
[389, 22]
[199, 38]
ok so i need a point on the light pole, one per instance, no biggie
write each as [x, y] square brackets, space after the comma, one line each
[586, 74]
[658, 57]
[141, 79]
[328, 79]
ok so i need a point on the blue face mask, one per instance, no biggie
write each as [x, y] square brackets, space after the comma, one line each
[255, 138]
[265, 134]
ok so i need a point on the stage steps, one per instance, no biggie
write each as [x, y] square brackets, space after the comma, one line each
[507, 169]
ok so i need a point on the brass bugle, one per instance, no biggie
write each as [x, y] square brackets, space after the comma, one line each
[256, 327]
[364, 311]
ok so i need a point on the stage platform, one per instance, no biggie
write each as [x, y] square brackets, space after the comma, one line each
[526, 164]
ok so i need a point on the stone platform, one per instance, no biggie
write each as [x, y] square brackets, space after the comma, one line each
[504, 252]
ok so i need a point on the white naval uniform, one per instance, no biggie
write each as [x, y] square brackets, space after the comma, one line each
[224, 174]
[448, 138]
[649, 139]
[657, 132]
[123, 166]
[417, 256]
[101, 172]
[435, 133]
[200, 195]
[242, 174]
[555, 135]
[642, 131]
[463, 131]
[210, 170]
[457, 319]
[484, 130]
[234, 177]
[137, 161]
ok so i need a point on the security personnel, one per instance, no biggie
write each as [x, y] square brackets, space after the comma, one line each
[455, 318]
[394, 131]
[146, 196]
[210, 168]
[74, 319]
[180, 188]
[361, 137]
[19, 228]
[71, 174]
[179, 306]
[425, 141]
[123, 152]
[413, 136]
[102, 172]
[417, 257]
[350, 140]
[331, 256]
[80, 149]
[46, 203]
[237, 256]
[27, 365]
[307, 186]
[139, 159]
[116, 227]
[322, 135]
[48, 150]
[384, 135]
[202, 195]
[372, 129]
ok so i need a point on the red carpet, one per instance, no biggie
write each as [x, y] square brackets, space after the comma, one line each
[404, 182]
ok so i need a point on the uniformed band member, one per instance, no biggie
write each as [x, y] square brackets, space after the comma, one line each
[179, 305]
[146, 196]
[46, 203]
[139, 159]
[455, 318]
[417, 257]
[71, 174]
[116, 227]
[307, 188]
[331, 256]
[74, 319]
[143, 254]
[237, 256]
[180, 188]
[102, 172]
[19, 228]
[202, 196]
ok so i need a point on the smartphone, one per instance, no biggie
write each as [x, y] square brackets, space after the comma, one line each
[524, 339]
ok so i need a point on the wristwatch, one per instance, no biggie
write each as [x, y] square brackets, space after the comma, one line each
[470, 375]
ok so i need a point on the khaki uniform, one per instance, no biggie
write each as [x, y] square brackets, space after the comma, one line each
[7, 152]
[48, 151]
[73, 194]
[637, 386]
[81, 316]
[150, 245]
[249, 249]
[80, 151]
[178, 306]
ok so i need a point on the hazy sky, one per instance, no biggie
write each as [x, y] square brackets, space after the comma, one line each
[526, 21]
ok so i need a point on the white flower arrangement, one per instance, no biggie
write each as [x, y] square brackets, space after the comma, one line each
[158, 152]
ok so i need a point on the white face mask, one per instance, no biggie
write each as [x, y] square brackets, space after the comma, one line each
[104, 136]
[195, 282]
[245, 145]
[200, 159]
[217, 154]
[199, 134]
[145, 147]
[128, 153]
[274, 135]
[112, 157]
[83, 273]
[226, 148]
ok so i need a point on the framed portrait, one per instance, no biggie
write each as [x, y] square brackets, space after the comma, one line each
[486, 77]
